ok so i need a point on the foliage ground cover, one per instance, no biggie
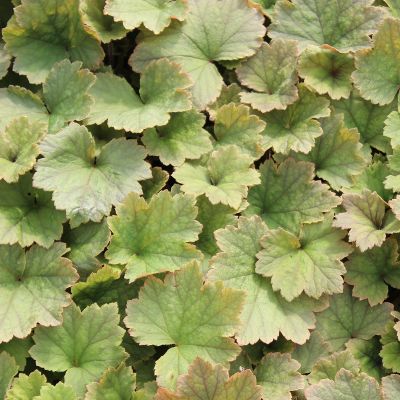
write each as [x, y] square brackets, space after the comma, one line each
[199, 199]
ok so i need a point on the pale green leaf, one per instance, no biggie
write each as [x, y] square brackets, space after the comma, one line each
[234, 124]
[310, 352]
[182, 138]
[278, 376]
[390, 352]
[205, 381]
[87, 181]
[288, 195]
[43, 32]
[338, 155]
[377, 69]
[316, 22]
[17, 102]
[155, 15]
[214, 30]
[309, 263]
[32, 288]
[328, 367]
[265, 313]
[327, 71]
[8, 369]
[27, 215]
[153, 237]
[116, 383]
[65, 92]
[224, 176]
[296, 128]
[19, 147]
[26, 387]
[163, 90]
[196, 319]
[347, 318]
[271, 74]
[367, 219]
[84, 345]
[346, 386]
[57, 392]
[229, 94]
[391, 387]
[5, 60]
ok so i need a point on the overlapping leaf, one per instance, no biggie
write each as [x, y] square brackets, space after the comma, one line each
[219, 30]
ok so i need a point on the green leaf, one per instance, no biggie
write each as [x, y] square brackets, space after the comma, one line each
[8, 369]
[220, 30]
[103, 25]
[394, 6]
[44, 32]
[196, 319]
[338, 155]
[155, 15]
[182, 138]
[87, 181]
[368, 118]
[308, 263]
[27, 215]
[392, 126]
[366, 352]
[390, 352]
[32, 288]
[224, 176]
[271, 73]
[296, 128]
[265, 313]
[327, 71]
[347, 386]
[153, 237]
[19, 147]
[288, 195]
[348, 317]
[392, 181]
[328, 367]
[367, 219]
[163, 90]
[58, 392]
[106, 285]
[19, 348]
[310, 352]
[371, 272]
[65, 92]
[229, 94]
[377, 70]
[277, 374]
[212, 217]
[84, 345]
[26, 387]
[235, 125]
[154, 185]
[17, 102]
[315, 22]
[372, 178]
[391, 387]
[205, 381]
[116, 383]
[85, 243]
[5, 61]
